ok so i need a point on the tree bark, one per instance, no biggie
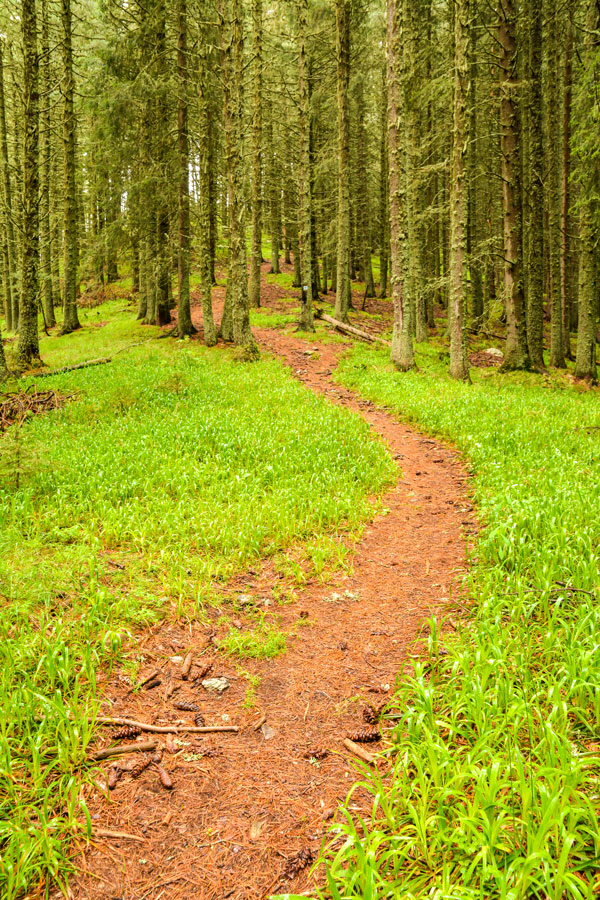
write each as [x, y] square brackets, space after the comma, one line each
[458, 264]
[402, 347]
[516, 355]
[11, 287]
[184, 317]
[535, 293]
[557, 358]
[71, 241]
[305, 194]
[257, 66]
[28, 350]
[204, 249]
[343, 292]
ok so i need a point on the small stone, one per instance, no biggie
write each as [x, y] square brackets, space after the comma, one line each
[267, 731]
[176, 660]
[217, 685]
[245, 600]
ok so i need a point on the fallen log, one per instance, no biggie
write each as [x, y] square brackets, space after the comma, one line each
[166, 729]
[352, 330]
[101, 361]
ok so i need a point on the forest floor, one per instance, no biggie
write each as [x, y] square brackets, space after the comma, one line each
[249, 811]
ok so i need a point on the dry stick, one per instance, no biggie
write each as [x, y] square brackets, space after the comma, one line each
[359, 751]
[356, 332]
[166, 729]
[124, 748]
[118, 835]
[148, 678]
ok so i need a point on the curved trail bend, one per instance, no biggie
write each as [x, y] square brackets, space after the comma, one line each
[236, 817]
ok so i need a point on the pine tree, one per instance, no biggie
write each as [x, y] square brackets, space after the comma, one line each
[71, 240]
[458, 264]
[28, 351]
[402, 354]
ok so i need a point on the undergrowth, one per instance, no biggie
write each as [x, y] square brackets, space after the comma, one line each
[174, 467]
[493, 789]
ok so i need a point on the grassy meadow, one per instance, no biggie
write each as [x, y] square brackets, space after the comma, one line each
[180, 466]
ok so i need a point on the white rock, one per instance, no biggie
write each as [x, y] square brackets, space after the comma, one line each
[217, 685]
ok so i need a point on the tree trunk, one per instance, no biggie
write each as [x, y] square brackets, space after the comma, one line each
[343, 293]
[71, 241]
[11, 287]
[458, 264]
[205, 258]
[402, 348]
[557, 358]
[184, 317]
[566, 263]
[305, 198]
[45, 267]
[535, 293]
[238, 285]
[384, 211]
[28, 350]
[516, 355]
[257, 63]
[589, 178]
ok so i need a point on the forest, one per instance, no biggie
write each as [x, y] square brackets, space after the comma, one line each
[299, 463]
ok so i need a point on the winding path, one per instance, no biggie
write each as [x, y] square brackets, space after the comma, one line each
[236, 817]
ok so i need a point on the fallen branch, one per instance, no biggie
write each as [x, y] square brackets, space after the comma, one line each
[359, 751]
[124, 748]
[166, 729]
[102, 360]
[355, 332]
[117, 835]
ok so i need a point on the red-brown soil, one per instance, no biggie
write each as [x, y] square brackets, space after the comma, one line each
[244, 805]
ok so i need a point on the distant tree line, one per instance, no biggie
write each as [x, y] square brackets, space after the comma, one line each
[443, 152]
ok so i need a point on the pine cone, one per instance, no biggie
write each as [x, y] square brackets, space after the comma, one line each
[372, 714]
[139, 767]
[114, 773]
[365, 736]
[299, 861]
[199, 720]
[316, 753]
[202, 671]
[127, 731]
[186, 705]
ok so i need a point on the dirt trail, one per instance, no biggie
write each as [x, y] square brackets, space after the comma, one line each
[239, 812]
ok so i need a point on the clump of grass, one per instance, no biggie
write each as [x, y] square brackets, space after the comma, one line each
[493, 790]
[264, 641]
[182, 466]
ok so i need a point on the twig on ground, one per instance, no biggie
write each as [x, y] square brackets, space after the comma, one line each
[123, 748]
[166, 729]
[359, 751]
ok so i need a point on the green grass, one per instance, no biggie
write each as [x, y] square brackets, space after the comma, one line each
[264, 641]
[493, 790]
[179, 464]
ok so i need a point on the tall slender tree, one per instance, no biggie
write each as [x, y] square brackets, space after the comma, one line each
[71, 238]
[458, 263]
[28, 350]
[305, 193]
[184, 318]
[343, 285]
[257, 103]
[402, 354]
[516, 355]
